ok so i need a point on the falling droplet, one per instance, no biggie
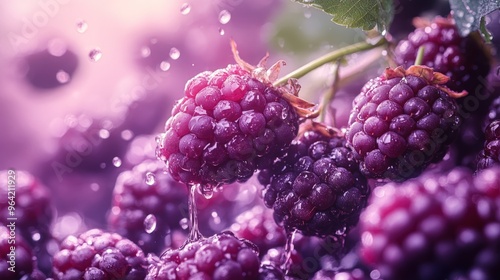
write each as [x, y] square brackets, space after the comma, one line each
[174, 53]
[150, 223]
[221, 31]
[224, 16]
[62, 76]
[184, 223]
[194, 232]
[150, 178]
[145, 52]
[164, 66]
[35, 236]
[289, 247]
[185, 9]
[117, 162]
[95, 54]
[81, 26]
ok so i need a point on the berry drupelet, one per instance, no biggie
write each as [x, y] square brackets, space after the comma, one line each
[317, 187]
[99, 255]
[402, 121]
[490, 155]
[219, 257]
[437, 226]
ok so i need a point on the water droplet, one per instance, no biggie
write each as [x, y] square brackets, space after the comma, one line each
[184, 223]
[104, 133]
[164, 66]
[81, 26]
[127, 135]
[62, 76]
[150, 223]
[117, 162]
[150, 178]
[206, 190]
[185, 9]
[174, 53]
[35, 236]
[94, 187]
[224, 16]
[145, 52]
[221, 31]
[95, 54]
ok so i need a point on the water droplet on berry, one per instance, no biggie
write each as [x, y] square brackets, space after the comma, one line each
[127, 134]
[184, 223]
[164, 66]
[117, 162]
[150, 179]
[104, 133]
[224, 16]
[81, 26]
[174, 53]
[95, 54]
[94, 187]
[221, 31]
[145, 52]
[35, 236]
[185, 9]
[62, 76]
[150, 223]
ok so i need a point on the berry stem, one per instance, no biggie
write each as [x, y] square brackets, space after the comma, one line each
[330, 57]
[330, 94]
[194, 232]
[420, 56]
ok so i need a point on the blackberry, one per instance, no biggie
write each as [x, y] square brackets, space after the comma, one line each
[98, 255]
[317, 187]
[33, 205]
[401, 122]
[147, 205]
[229, 123]
[463, 60]
[437, 226]
[19, 263]
[490, 155]
[270, 272]
[257, 226]
[221, 256]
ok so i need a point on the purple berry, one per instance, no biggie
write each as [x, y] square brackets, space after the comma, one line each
[99, 255]
[317, 187]
[401, 122]
[490, 155]
[225, 126]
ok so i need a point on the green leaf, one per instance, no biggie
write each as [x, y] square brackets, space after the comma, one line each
[468, 13]
[364, 14]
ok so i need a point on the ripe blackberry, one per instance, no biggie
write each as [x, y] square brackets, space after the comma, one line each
[221, 256]
[437, 226]
[401, 122]
[19, 263]
[229, 123]
[147, 205]
[490, 155]
[317, 187]
[257, 226]
[98, 255]
[463, 60]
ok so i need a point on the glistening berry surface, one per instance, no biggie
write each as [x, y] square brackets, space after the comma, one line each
[317, 187]
[490, 155]
[401, 122]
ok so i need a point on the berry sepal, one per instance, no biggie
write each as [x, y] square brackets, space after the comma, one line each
[428, 74]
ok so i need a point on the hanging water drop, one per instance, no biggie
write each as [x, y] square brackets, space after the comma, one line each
[95, 54]
[164, 66]
[117, 162]
[206, 190]
[224, 16]
[81, 26]
[185, 9]
[221, 31]
[150, 178]
[62, 76]
[150, 223]
[174, 53]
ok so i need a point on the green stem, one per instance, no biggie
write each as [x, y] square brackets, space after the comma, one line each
[330, 57]
[420, 55]
[330, 94]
